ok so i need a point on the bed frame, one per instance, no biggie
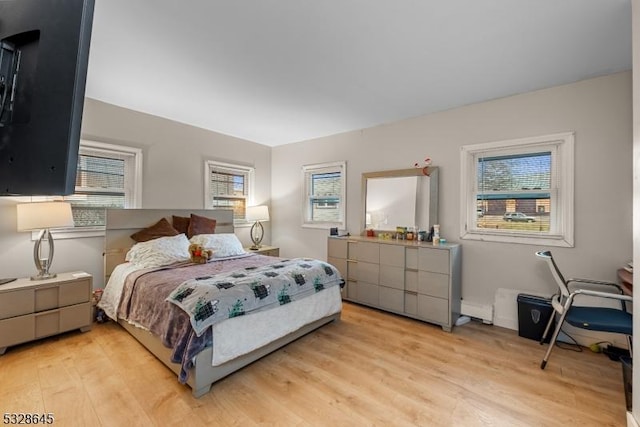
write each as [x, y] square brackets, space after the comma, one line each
[120, 224]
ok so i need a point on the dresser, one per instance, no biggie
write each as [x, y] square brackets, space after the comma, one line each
[410, 278]
[32, 309]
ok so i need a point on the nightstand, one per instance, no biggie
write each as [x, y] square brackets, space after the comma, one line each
[33, 309]
[265, 250]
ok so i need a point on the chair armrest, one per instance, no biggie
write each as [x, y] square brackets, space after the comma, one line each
[602, 294]
[596, 282]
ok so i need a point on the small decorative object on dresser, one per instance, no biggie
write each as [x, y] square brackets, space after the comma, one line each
[265, 250]
[36, 309]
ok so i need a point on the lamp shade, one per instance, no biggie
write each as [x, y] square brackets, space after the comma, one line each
[44, 215]
[258, 213]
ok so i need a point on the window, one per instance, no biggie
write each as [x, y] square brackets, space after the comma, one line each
[228, 186]
[519, 191]
[107, 176]
[324, 195]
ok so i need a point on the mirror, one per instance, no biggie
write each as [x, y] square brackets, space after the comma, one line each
[404, 197]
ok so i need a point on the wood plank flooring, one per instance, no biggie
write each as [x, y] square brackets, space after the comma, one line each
[370, 368]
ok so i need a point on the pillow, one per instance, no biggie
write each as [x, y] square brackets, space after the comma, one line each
[180, 223]
[161, 228]
[200, 225]
[223, 244]
[159, 252]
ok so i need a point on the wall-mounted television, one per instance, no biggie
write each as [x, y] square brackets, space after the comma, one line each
[44, 54]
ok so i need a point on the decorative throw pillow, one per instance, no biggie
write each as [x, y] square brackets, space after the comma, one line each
[223, 245]
[161, 228]
[181, 223]
[200, 225]
[159, 252]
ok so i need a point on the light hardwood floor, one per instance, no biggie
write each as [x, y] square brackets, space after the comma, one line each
[370, 368]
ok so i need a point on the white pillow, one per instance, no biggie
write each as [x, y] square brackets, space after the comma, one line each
[223, 245]
[159, 252]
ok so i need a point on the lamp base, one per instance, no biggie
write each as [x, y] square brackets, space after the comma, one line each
[256, 232]
[44, 276]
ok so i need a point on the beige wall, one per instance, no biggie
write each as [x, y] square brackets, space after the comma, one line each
[598, 110]
[173, 167]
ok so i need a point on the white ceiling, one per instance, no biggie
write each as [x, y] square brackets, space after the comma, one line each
[282, 71]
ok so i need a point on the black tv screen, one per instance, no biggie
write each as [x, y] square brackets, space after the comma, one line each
[44, 53]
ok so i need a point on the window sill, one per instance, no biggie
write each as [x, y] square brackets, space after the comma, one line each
[324, 225]
[558, 241]
[72, 233]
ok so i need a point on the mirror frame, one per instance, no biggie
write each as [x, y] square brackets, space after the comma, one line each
[430, 171]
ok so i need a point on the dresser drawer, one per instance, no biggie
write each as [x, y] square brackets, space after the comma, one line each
[434, 284]
[337, 248]
[367, 252]
[368, 293]
[391, 299]
[367, 272]
[433, 309]
[435, 260]
[392, 255]
[392, 277]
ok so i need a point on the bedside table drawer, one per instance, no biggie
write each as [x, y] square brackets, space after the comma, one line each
[63, 295]
[17, 330]
[75, 292]
[19, 303]
[62, 320]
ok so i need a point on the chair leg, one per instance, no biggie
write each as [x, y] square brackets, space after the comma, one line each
[630, 344]
[556, 332]
[546, 330]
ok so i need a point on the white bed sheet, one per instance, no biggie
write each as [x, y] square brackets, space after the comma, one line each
[112, 293]
[240, 335]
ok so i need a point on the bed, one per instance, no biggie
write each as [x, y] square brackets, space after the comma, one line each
[202, 350]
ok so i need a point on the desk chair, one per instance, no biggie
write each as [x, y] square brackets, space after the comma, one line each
[592, 318]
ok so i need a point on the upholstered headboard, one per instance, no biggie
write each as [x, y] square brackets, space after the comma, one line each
[122, 223]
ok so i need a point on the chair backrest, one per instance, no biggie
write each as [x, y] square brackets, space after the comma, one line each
[555, 271]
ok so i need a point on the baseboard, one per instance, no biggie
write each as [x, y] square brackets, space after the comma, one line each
[478, 311]
[631, 421]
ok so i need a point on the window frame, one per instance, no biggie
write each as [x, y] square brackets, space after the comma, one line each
[562, 190]
[329, 167]
[248, 171]
[133, 184]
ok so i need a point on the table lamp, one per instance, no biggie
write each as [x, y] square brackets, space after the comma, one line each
[43, 216]
[257, 214]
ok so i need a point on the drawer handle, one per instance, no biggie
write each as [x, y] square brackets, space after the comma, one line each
[411, 292]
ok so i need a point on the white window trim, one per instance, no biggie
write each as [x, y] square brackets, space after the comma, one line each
[134, 200]
[249, 170]
[562, 183]
[306, 169]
